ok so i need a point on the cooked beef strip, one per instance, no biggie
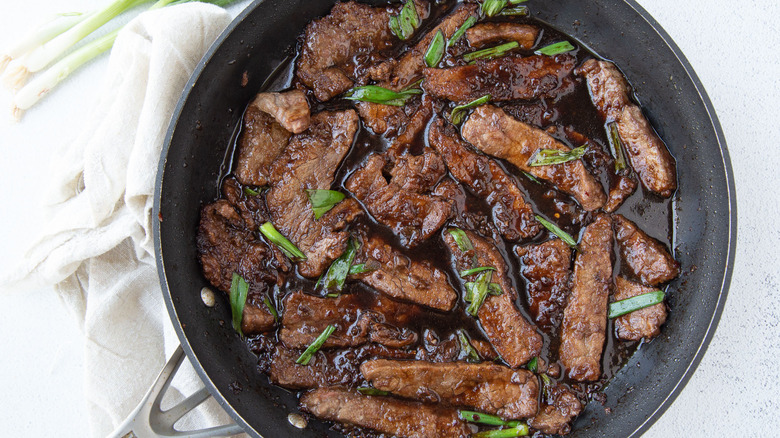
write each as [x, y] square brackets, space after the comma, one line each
[357, 320]
[418, 173]
[511, 213]
[623, 187]
[402, 278]
[585, 316]
[490, 388]
[412, 216]
[513, 337]
[644, 323]
[505, 78]
[290, 109]
[645, 257]
[485, 34]
[647, 152]
[554, 418]
[262, 140]
[546, 268]
[384, 414]
[310, 161]
[495, 133]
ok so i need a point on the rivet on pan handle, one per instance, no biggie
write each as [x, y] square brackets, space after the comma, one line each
[147, 420]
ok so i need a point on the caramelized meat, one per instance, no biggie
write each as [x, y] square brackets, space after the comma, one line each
[585, 316]
[262, 140]
[505, 78]
[546, 268]
[495, 133]
[487, 34]
[418, 173]
[486, 387]
[324, 369]
[644, 323]
[384, 414]
[623, 188]
[512, 215]
[645, 257]
[648, 154]
[290, 109]
[554, 418]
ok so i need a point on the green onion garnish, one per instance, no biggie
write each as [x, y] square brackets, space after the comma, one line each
[518, 11]
[491, 8]
[435, 51]
[555, 49]
[532, 364]
[495, 289]
[367, 390]
[620, 308]
[461, 30]
[362, 268]
[563, 235]
[616, 146]
[461, 239]
[315, 346]
[271, 307]
[239, 289]
[531, 177]
[548, 157]
[516, 2]
[287, 247]
[337, 273]
[546, 380]
[459, 112]
[519, 430]
[478, 290]
[381, 95]
[490, 52]
[406, 22]
[323, 200]
[468, 272]
[472, 356]
[250, 191]
[490, 420]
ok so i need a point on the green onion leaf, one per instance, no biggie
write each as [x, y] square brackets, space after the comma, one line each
[323, 200]
[287, 247]
[472, 356]
[519, 430]
[332, 295]
[406, 22]
[495, 289]
[548, 157]
[490, 420]
[362, 268]
[250, 191]
[239, 289]
[271, 307]
[459, 112]
[471, 271]
[339, 269]
[616, 147]
[367, 390]
[518, 11]
[435, 51]
[381, 95]
[461, 239]
[563, 235]
[315, 346]
[479, 291]
[531, 177]
[516, 2]
[533, 364]
[555, 49]
[620, 308]
[546, 381]
[491, 8]
[490, 52]
[461, 30]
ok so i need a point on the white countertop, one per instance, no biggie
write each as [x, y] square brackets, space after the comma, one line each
[735, 50]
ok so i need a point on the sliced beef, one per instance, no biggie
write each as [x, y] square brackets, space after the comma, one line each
[505, 78]
[555, 417]
[513, 216]
[310, 162]
[404, 279]
[290, 109]
[513, 337]
[647, 152]
[546, 268]
[324, 369]
[384, 414]
[412, 216]
[643, 323]
[357, 319]
[490, 388]
[485, 34]
[418, 173]
[262, 140]
[622, 188]
[496, 133]
[585, 316]
[645, 257]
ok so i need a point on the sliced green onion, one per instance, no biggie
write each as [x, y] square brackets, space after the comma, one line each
[546, 380]
[332, 295]
[516, 2]
[616, 146]
[381, 95]
[271, 307]
[461, 30]
[563, 235]
[491, 8]
[459, 112]
[548, 157]
[339, 269]
[406, 22]
[250, 191]
[518, 11]
[362, 268]
[531, 177]
[555, 49]
[323, 200]
[495, 289]
[519, 430]
[478, 290]
[367, 390]
[287, 247]
[488, 419]
[471, 271]
[239, 289]
[533, 364]
[435, 51]
[622, 307]
[490, 52]
[472, 356]
[461, 239]
[315, 346]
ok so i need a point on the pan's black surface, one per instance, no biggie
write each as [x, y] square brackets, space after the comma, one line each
[672, 97]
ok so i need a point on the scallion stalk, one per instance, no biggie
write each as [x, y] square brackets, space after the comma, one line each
[622, 307]
[362, 268]
[478, 291]
[435, 51]
[45, 32]
[563, 235]
[461, 239]
[271, 307]
[406, 22]
[488, 419]
[472, 356]
[555, 49]
[461, 30]
[490, 52]
[549, 157]
[315, 346]
[239, 289]
[337, 273]
[471, 271]
[323, 200]
[381, 95]
[491, 8]
[519, 430]
[248, 191]
[517, 11]
[288, 248]
[531, 177]
[459, 112]
[616, 146]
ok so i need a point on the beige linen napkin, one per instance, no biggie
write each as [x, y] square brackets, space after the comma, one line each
[98, 249]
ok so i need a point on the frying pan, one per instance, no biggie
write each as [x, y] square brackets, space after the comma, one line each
[704, 210]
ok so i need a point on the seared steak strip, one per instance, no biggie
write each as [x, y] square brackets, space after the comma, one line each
[485, 34]
[546, 268]
[496, 133]
[262, 140]
[643, 323]
[513, 216]
[486, 387]
[622, 188]
[645, 257]
[585, 316]
[384, 414]
[554, 418]
[647, 152]
[290, 109]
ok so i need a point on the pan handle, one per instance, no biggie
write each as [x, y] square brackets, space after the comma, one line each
[147, 420]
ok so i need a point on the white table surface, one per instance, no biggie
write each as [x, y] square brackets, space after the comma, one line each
[733, 46]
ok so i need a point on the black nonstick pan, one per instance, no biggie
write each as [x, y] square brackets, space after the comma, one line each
[257, 42]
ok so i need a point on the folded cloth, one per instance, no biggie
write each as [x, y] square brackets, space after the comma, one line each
[98, 249]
